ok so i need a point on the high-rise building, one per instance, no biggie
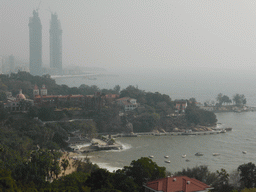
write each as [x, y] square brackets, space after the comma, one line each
[35, 44]
[55, 43]
[11, 64]
[8, 64]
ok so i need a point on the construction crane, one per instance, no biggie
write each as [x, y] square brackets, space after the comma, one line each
[38, 6]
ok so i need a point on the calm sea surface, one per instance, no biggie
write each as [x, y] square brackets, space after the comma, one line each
[230, 146]
[203, 85]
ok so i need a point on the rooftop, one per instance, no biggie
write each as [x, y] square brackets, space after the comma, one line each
[175, 184]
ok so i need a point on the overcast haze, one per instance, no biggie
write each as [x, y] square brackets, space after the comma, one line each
[145, 34]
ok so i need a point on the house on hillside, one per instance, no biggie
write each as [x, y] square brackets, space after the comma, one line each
[181, 105]
[18, 103]
[176, 184]
[128, 103]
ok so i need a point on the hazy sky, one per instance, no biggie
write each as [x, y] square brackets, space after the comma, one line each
[163, 34]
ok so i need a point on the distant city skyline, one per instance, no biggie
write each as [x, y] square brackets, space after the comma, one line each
[138, 35]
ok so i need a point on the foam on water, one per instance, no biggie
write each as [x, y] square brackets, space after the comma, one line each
[108, 167]
[84, 145]
[125, 147]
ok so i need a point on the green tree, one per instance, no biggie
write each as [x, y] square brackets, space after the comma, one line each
[249, 190]
[222, 182]
[123, 182]
[100, 179]
[3, 96]
[247, 175]
[132, 92]
[220, 98]
[144, 170]
[239, 99]
[74, 181]
[226, 99]
[117, 89]
[38, 169]
[86, 167]
[64, 164]
[46, 114]
[200, 173]
[7, 183]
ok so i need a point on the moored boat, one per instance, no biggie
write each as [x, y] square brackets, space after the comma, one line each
[199, 154]
[188, 132]
[215, 154]
[167, 161]
[223, 131]
[183, 156]
[166, 156]
[151, 156]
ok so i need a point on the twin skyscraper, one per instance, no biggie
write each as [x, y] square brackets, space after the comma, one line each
[35, 44]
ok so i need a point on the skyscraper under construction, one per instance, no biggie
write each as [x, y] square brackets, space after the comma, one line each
[35, 44]
[55, 43]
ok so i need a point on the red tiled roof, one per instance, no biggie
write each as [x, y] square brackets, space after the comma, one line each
[112, 96]
[179, 183]
[123, 98]
[76, 96]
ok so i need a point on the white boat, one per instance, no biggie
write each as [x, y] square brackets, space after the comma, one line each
[188, 132]
[166, 156]
[244, 152]
[183, 156]
[151, 156]
[199, 154]
[215, 154]
[167, 161]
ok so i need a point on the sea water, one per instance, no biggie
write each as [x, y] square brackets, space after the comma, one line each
[204, 85]
[229, 145]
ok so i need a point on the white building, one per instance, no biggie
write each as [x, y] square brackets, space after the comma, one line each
[128, 103]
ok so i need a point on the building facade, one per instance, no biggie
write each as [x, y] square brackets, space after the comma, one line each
[55, 43]
[128, 103]
[35, 44]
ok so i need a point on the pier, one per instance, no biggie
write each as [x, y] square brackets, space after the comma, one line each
[168, 133]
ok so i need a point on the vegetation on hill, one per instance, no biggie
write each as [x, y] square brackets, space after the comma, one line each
[238, 99]
[41, 172]
[155, 112]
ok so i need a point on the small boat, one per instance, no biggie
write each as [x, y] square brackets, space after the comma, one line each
[187, 160]
[188, 132]
[199, 154]
[166, 156]
[215, 154]
[183, 156]
[151, 156]
[167, 161]
[244, 152]
[228, 129]
[223, 131]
